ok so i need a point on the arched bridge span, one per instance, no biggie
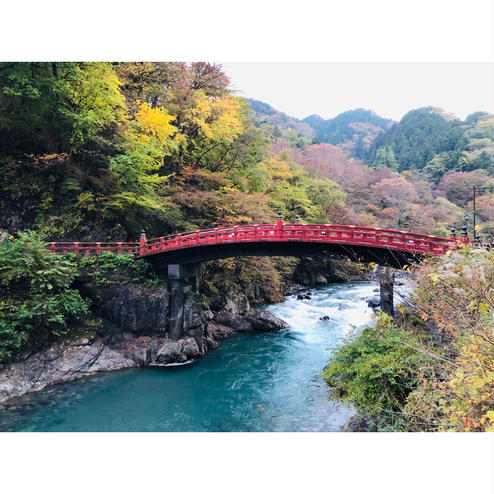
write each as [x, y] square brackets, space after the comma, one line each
[181, 255]
[386, 247]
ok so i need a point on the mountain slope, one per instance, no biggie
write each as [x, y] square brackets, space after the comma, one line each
[353, 130]
[269, 115]
[432, 140]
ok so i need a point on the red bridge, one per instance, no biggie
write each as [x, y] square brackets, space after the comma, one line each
[180, 256]
[387, 247]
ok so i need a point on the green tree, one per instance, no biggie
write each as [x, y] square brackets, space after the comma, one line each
[386, 157]
[37, 303]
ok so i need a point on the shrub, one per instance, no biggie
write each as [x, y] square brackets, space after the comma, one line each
[376, 370]
[37, 304]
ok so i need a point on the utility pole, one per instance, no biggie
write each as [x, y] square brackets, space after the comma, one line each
[474, 216]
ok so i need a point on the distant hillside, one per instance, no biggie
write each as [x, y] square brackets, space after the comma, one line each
[436, 142]
[267, 114]
[353, 130]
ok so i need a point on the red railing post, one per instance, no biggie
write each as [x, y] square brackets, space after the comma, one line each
[142, 243]
[279, 225]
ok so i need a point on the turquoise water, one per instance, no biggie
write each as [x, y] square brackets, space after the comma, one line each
[265, 382]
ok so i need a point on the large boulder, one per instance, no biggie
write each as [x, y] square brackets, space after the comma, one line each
[191, 348]
[238, 323]
[169, 352]
[263, 320]
[217, 331]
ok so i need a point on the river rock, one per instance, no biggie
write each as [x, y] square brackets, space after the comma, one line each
[239, 324]
[191, 349]
[217, 331]
[373, 301]
[169, 352]
[292, 288]
[141, 356]
[263, 320]
[320, 279]
[210, 343]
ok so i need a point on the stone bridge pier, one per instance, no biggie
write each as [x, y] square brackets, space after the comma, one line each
[185, 301]
[386, 278]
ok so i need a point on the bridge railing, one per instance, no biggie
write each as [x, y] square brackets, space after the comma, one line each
[279, 232]
[93, 248]
[342, 234]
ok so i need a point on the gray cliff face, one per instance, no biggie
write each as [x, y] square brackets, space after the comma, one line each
[134, 333]
[139, 310]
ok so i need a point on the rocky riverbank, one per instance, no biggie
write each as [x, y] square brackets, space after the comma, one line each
[132, 329]
[72, 359]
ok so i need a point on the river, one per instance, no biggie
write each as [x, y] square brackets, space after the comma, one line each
[262, 382]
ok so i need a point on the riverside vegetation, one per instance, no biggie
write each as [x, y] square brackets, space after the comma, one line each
[432, 367]
[97, 151]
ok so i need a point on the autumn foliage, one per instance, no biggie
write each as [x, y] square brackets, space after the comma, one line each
[432, 368]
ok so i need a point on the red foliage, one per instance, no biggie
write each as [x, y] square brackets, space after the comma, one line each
[458, 187]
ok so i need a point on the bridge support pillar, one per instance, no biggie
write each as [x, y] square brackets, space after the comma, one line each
[181, 279]
[386, 284]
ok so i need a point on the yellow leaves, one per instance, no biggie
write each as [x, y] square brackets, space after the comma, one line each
[278, 169]
[372, 266]
[96, 93]
[434, 277]
[489, 416]
[483, 308]
[478, 228]
[155, 122]
[218, 118]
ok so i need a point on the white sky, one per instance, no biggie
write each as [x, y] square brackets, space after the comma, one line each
[390, 89]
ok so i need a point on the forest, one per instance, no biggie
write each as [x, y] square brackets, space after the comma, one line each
[99, 151]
